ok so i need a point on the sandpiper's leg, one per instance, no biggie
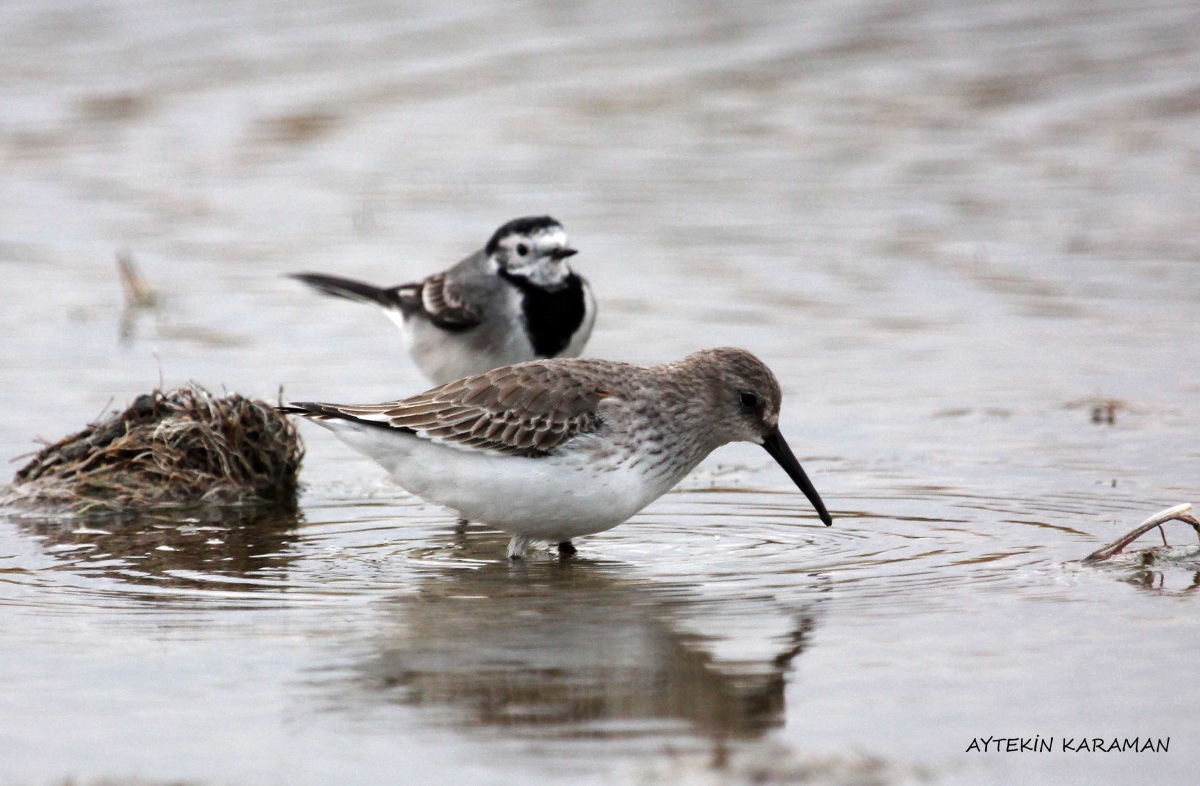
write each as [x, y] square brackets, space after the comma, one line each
[458, 535]
[517, 546]
[566, 549]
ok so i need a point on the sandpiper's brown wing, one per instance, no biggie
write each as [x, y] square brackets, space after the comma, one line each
[439, 300]
[528, 409]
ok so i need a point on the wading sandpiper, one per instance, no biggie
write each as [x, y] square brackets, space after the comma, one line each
[556, 449]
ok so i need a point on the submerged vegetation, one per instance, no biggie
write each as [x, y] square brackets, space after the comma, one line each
[183, 447]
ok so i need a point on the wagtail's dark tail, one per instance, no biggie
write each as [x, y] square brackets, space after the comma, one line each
[350, 289]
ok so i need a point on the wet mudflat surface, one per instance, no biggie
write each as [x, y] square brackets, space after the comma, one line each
[961, 234]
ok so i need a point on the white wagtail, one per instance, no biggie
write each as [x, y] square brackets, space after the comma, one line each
[514, 300]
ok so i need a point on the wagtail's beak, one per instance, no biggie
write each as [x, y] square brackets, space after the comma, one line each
[779, 450]
[563, 253]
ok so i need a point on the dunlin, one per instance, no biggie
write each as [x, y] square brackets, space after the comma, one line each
[514, 300]
[556, 449]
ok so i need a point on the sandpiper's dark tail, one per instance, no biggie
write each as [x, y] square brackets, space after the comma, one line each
[312, 410]
[323, 413]
[350, 289]
[288, 409]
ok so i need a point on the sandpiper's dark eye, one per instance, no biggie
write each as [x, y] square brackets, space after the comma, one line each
[748, 398]
[522, 249]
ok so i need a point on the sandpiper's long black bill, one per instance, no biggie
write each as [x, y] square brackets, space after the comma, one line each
[779, 450]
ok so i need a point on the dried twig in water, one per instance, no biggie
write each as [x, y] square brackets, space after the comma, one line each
[1177, 513]
[1102, 408]
[137, 294]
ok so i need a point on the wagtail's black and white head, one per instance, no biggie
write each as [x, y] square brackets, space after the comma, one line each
[514, 300]
[532, 250]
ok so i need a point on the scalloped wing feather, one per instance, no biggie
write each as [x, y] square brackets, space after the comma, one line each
[530, 409]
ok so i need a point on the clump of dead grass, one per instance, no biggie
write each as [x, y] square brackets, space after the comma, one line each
[183, 447]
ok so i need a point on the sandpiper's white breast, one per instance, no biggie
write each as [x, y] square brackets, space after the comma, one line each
[591, 487]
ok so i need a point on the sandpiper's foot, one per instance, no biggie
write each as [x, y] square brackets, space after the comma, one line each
[566, 549]
[517, 546]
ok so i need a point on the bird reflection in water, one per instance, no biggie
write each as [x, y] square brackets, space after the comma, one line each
[575, 648]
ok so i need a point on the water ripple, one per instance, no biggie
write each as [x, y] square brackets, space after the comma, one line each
[885, 552]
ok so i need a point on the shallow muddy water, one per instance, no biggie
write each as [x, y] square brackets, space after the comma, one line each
[957, 232]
